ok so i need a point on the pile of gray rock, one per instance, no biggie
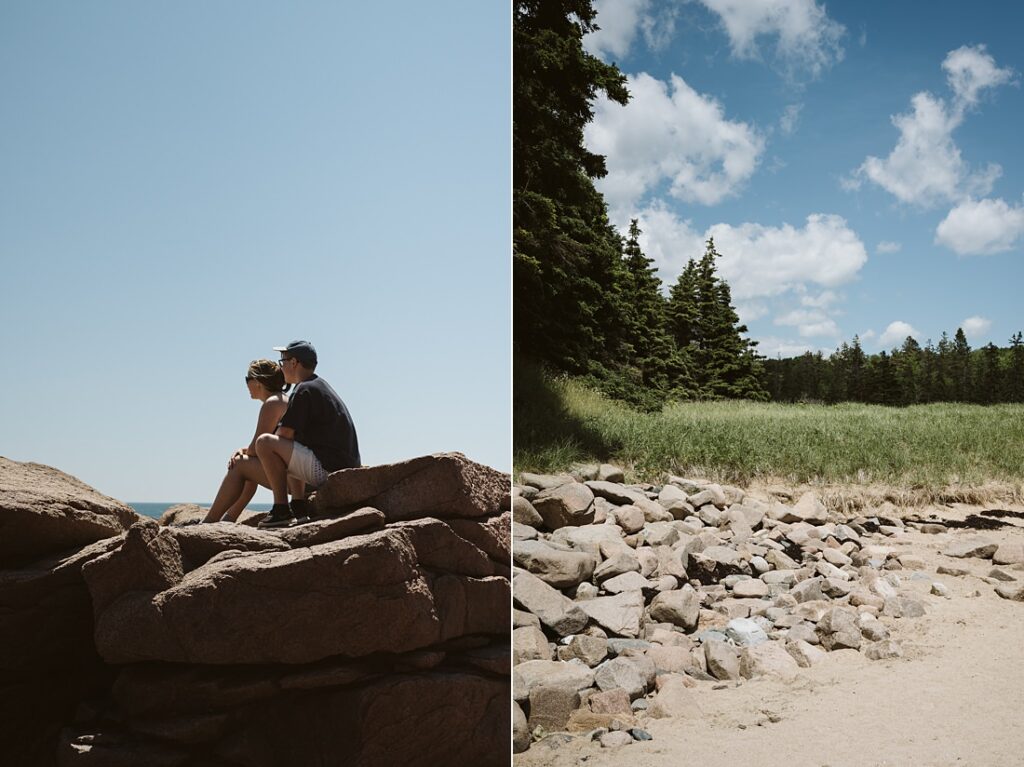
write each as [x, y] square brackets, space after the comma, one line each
[627, 596]
[376, 636]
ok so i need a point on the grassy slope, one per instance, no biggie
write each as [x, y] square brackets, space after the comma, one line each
[940, 451]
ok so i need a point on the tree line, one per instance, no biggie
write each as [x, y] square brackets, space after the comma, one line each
[586, 300]
[950, 371]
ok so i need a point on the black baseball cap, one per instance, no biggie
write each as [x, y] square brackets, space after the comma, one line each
[303, 351]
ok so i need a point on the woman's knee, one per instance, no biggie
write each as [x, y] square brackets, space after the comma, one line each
[265, 442]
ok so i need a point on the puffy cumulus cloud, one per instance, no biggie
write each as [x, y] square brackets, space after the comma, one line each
[888, 246]
[807, 40]
[810, 324]
[760, 261]
[786, 271]
[669, 240]
[670, 132]
[772, 346]
[619, 21]
[896, 334]
[981, 227]
[764, 261]
[822, 301]
[975, 327]
[925, 168]
[750, 311]
[969, 70]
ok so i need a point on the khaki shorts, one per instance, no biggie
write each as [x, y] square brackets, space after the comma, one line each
[305, 466]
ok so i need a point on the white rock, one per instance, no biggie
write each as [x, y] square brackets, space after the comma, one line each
[745, 632]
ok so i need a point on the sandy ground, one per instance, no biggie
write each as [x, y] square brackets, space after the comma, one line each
[956, 697]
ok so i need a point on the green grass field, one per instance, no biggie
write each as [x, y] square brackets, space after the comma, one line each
[939, 451]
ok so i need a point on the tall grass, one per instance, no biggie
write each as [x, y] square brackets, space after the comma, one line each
[930, 448]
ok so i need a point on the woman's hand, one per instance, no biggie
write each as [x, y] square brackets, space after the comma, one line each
[237, 456]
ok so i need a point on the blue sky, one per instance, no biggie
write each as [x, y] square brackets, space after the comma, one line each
[858, 163]
[186, 185]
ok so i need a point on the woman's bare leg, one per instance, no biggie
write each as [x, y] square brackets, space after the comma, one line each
[232, 514]
[246, 469]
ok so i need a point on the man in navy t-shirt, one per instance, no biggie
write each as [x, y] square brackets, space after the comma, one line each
[315, 437]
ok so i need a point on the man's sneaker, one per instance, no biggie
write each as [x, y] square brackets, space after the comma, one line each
[280, 516]
[301, 510]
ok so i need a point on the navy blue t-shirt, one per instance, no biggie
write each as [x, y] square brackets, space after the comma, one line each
[322, 423]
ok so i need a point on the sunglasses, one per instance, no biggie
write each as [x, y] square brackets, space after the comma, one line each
[284, 360]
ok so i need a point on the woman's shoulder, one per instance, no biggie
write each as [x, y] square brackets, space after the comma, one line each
[276, 401]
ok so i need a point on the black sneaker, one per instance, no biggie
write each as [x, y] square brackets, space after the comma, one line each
[301, 510]
[280, 516]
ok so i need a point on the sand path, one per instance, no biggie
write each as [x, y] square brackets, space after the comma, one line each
[955, 698]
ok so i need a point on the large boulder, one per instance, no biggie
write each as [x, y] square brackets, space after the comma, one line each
[418, 719]
[443, 485]
[49, 662]
[556, 567]
[199, 543]
[566, 505]
[44, 511]
[353, 597]
[556, 611]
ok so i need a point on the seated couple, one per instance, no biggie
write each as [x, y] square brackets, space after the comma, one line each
[299, 440]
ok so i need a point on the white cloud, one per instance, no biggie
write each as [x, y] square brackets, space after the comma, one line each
[619, 21]
[669, 240]
[896, 334]
[759, 261]
[981, 227]
[975, 327]
[807, 39]
[888, 246]
[969, 70]
[790, 117]
[867, 335]
[670, 132]
[748, 312]
[787, 271]
[822, 300]
[772, 346]
[763, 261]
[810, 324]
[925, 167]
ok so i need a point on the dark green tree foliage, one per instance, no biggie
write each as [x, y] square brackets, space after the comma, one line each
[566, 256]
[1013, 390]
[706, 328]
[910, 374]
[960, 367]
[648, 344]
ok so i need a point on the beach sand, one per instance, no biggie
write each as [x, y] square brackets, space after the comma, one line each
[956, 697]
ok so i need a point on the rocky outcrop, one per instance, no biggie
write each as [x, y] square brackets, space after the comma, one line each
[629, 595]
[375, 638]
[444, 486]
[44, 511]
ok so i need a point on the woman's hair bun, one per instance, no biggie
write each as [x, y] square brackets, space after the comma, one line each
[268, 373]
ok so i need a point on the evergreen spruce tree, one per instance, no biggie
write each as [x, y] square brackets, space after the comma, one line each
[960, 368]
[1014, 388]
[724, 363]
[988, 378]
[944, 390]
[907, 362]
[647, 340]
[566, 256]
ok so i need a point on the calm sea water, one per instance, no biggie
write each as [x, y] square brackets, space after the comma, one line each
[155, 510]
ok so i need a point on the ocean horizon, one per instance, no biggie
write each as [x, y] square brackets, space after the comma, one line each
[156, 510]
